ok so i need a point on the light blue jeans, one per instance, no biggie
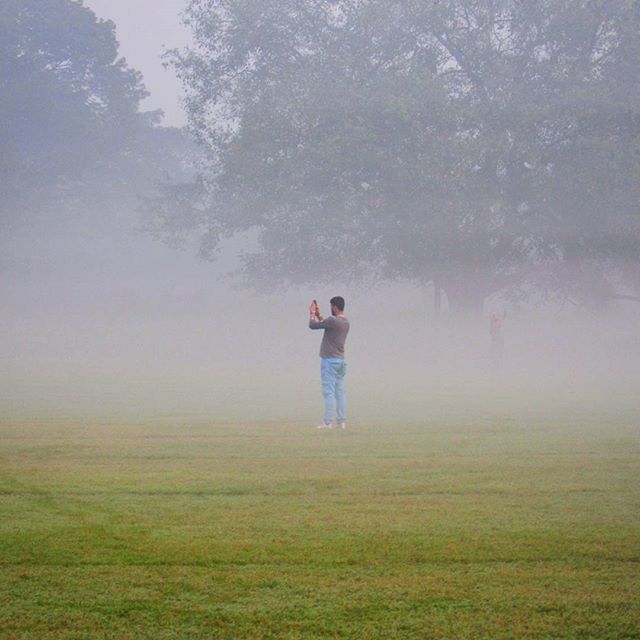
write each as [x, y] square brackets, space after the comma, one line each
[332, 372]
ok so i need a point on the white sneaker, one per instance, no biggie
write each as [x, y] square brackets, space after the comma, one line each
[324, 426]
[342, 425]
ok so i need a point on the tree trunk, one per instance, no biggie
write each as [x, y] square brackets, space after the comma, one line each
[465, 300]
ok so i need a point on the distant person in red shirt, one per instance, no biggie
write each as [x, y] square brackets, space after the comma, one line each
[333, 367]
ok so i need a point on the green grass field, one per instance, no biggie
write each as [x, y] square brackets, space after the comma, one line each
[510, 528]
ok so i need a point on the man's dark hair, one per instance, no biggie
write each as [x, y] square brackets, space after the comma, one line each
[337, 301]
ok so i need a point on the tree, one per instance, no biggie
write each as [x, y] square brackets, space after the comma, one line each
[480, 145]
[68, 103]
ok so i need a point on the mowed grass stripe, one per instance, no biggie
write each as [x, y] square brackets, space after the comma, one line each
[513, 529]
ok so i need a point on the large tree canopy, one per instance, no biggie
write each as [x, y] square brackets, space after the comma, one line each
[481, 145]
[69, 105]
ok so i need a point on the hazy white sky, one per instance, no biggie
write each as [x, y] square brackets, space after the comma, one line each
[145, 28]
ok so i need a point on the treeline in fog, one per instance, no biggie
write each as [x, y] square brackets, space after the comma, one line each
[72, 136]
[486, 147]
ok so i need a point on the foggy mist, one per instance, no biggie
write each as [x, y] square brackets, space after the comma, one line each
[102, 318]
[107, 322]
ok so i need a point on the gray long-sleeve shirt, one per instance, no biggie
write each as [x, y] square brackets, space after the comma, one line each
[335, 334]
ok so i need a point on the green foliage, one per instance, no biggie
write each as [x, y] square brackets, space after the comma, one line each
[68, 103]
[70, 127]
[463, 142]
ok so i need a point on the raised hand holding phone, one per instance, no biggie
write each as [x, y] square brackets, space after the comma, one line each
[314, 311]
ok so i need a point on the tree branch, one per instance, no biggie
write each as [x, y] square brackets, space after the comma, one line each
[459, 57]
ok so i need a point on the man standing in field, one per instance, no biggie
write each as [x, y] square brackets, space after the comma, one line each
[333, 367]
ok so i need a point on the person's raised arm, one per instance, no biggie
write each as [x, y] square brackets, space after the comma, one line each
[316, 321]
